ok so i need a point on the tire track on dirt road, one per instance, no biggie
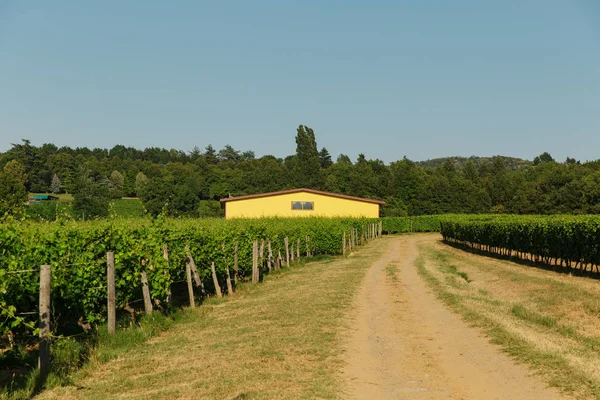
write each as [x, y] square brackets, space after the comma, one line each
[404, 344]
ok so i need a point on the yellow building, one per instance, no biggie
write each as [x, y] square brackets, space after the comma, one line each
[300, 203]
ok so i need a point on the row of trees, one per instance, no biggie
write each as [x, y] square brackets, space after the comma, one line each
[181, 183]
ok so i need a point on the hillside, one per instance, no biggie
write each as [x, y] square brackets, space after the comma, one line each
[512, 163]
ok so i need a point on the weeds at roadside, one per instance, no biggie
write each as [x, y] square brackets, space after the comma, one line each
[519, 311]
[392, 272]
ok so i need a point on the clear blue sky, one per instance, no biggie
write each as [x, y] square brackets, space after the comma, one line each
[423, 79]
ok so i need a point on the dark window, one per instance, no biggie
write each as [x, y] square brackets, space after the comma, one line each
[302, 205]
[307, 205]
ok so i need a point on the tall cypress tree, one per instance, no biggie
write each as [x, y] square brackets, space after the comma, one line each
[307, 171]
[325, 158]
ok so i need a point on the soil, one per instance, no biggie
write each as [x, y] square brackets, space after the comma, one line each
[404, 343]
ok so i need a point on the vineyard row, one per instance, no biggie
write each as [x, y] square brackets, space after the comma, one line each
[149, 260]
[560, 241]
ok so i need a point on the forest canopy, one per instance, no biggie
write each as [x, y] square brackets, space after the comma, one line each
[185, 182]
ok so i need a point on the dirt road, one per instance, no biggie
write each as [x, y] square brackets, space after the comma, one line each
[406, 345]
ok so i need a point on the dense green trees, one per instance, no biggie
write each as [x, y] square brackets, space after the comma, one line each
[307, 168]
[116, 182]
[13, 194]
[91, 197]
[162, 196]
[181, 183]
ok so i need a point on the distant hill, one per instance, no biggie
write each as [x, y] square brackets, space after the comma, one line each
[511, 163]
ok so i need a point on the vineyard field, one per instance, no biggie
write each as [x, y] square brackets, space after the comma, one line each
[559, 240]
[421, 223]
[76, 252]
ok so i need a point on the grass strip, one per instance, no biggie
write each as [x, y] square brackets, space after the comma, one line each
[552, 367]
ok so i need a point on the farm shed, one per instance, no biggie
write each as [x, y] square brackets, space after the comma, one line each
[300, 203]
[44, 197]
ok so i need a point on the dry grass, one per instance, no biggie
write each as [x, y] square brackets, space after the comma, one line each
[277, 340]
[541, 318]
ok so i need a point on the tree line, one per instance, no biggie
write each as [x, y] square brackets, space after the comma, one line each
[190, 183]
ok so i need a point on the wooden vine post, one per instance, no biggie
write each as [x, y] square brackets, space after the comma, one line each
[110, 278]
[228, 276]
[195, 270]
[262, 254]
[298, 249]
[235, 263]
[270, 260]
[166, 256]
[287, 252]
[255, 261]
[344, 244]
[188, 275]
[146, 293]
[229, 287]
[349, 243]
[380, 228]
[44, 350]
[215, 280]
[307, 247]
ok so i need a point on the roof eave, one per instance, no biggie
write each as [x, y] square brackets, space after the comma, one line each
[290, 191]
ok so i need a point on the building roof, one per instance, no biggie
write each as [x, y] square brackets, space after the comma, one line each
[44, 197]
[341, 196]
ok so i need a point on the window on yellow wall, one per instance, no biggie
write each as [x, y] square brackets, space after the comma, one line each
[303, 205]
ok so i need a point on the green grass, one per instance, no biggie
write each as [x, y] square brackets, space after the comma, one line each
[452, 271]
[519, 311]
[392, 271]
[127, 208]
